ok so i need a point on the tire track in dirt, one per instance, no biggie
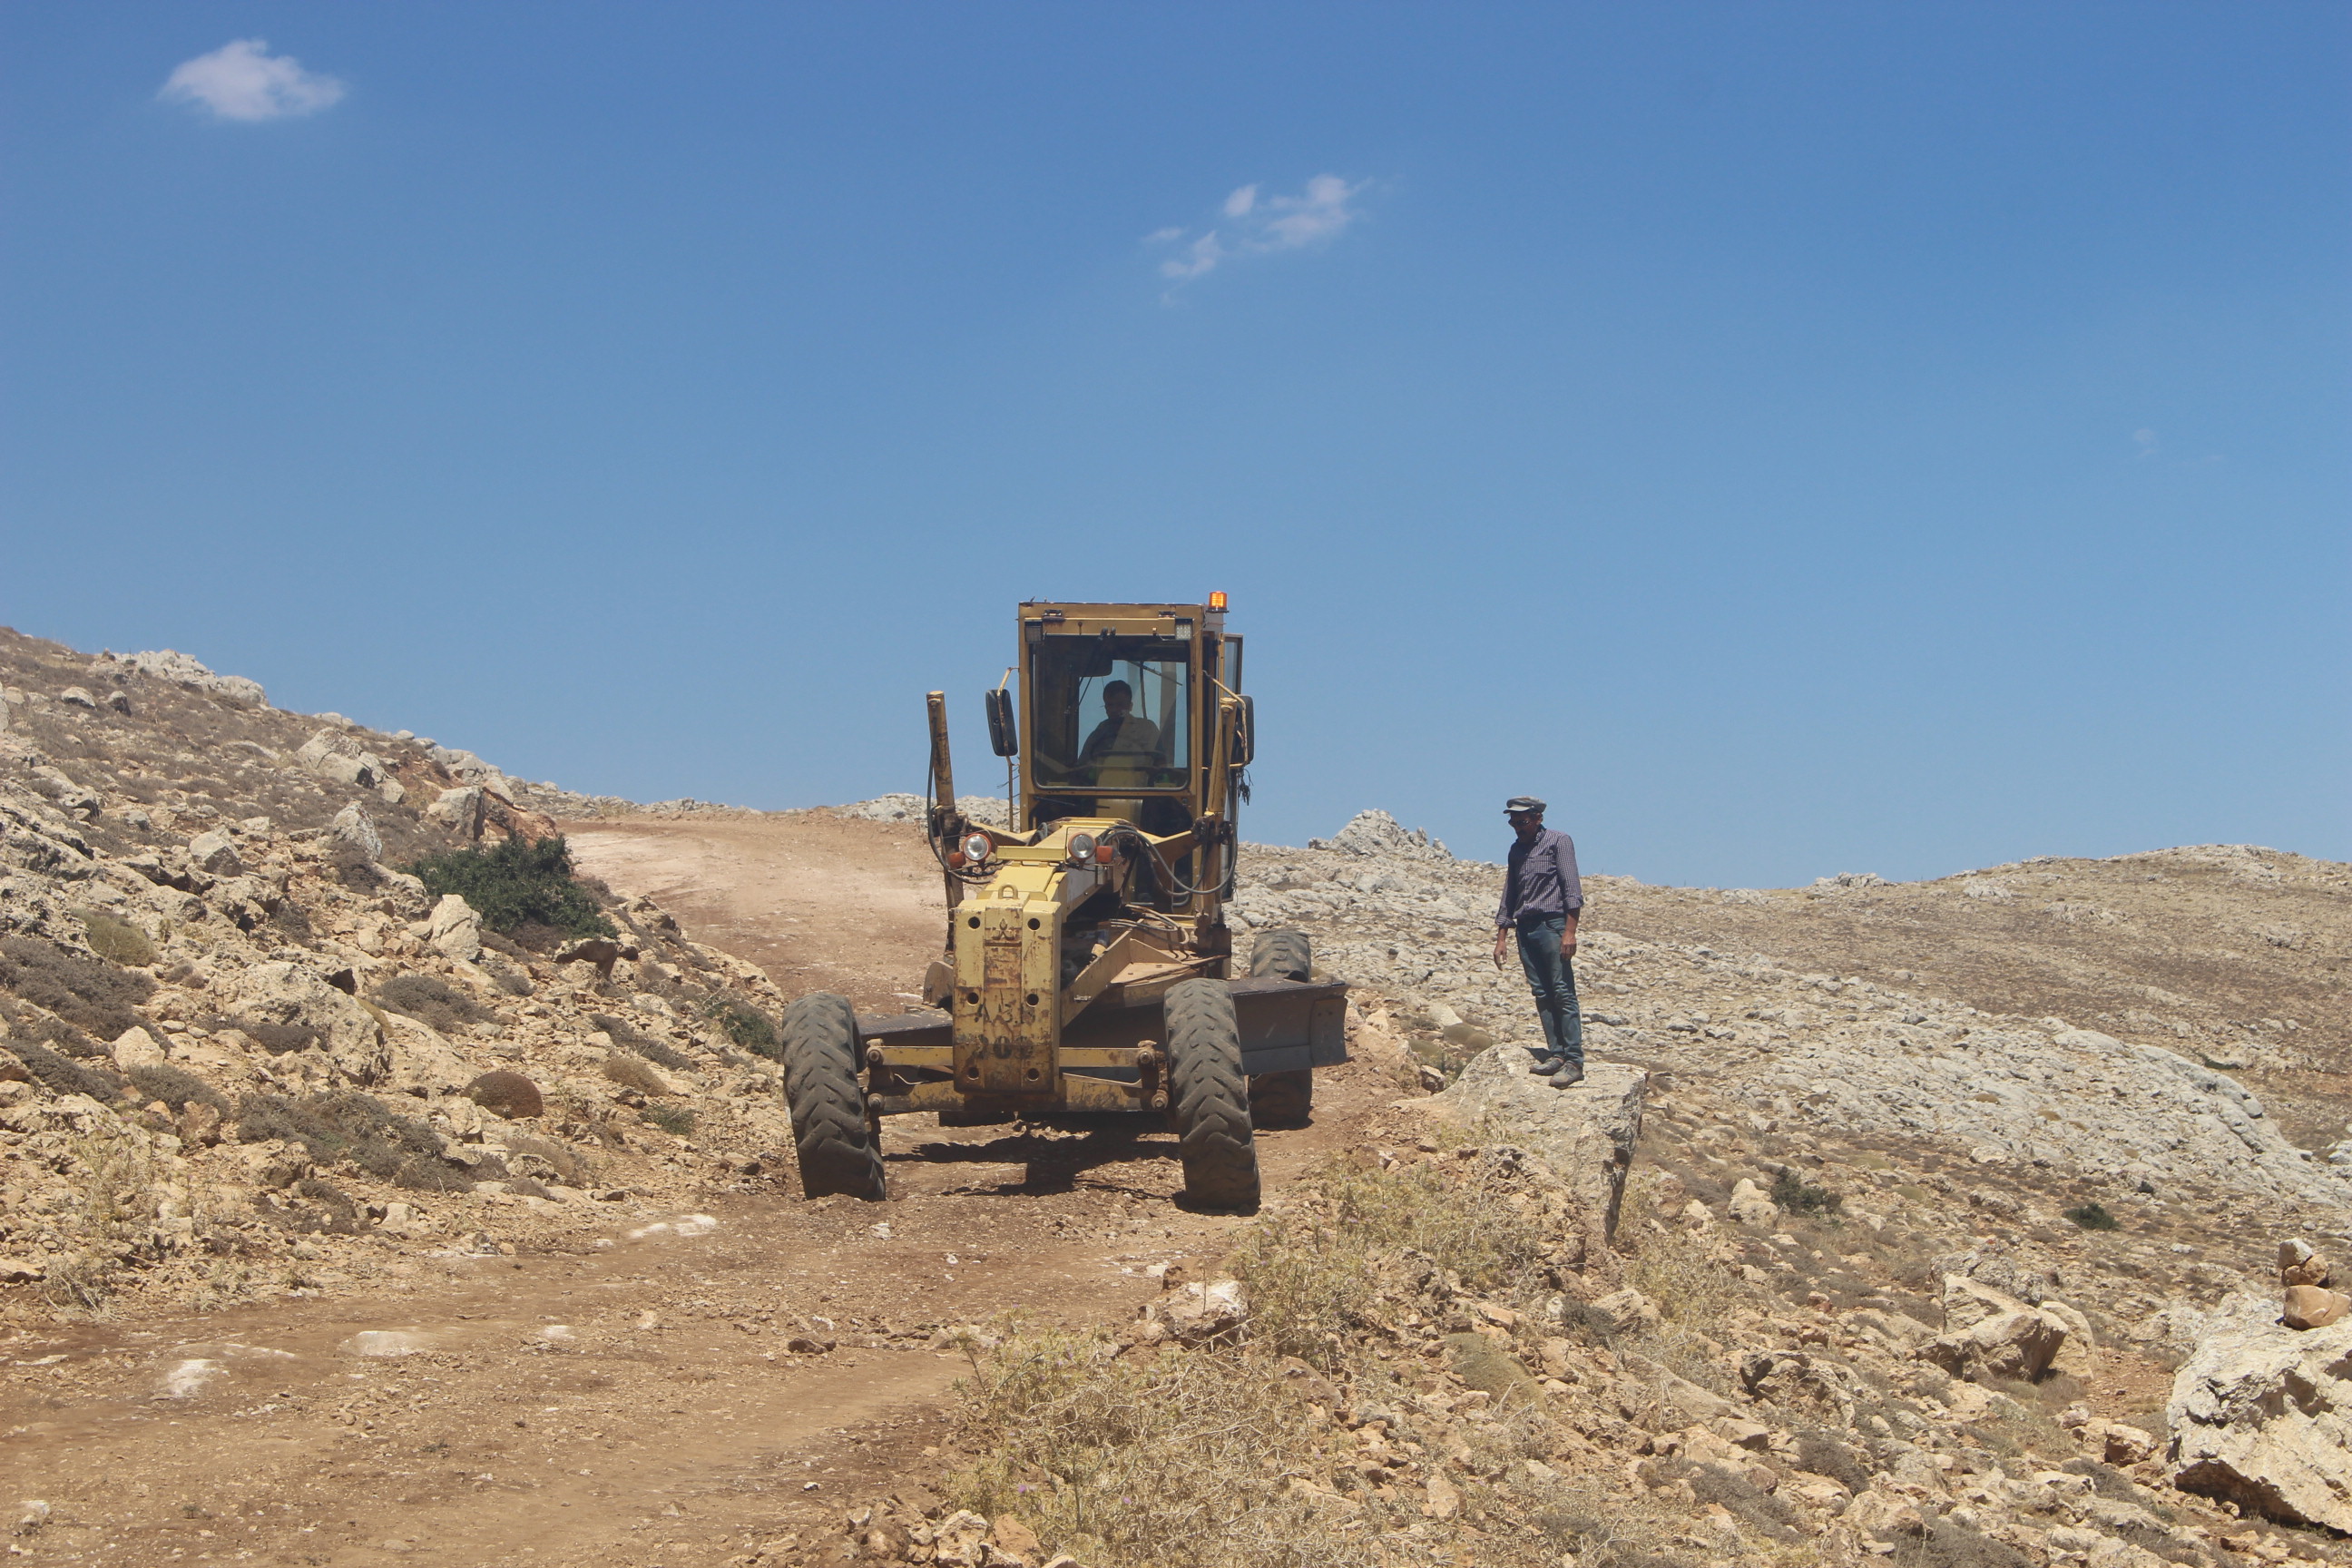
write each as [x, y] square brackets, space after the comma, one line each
[639, 1401]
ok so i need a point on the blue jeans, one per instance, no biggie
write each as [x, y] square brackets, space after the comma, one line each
[1552, 977]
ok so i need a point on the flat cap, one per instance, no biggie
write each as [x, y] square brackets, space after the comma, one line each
[1523, 803]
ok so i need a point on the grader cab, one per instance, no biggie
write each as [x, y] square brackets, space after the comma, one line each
[1088, 965]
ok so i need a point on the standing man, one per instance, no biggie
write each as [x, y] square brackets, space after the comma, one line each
[1541, 898]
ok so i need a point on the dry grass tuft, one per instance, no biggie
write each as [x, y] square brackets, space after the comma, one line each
[1131, 1462]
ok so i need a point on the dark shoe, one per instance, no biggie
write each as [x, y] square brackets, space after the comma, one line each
[1567, 1073]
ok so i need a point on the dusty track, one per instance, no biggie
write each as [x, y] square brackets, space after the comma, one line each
[671, 1422]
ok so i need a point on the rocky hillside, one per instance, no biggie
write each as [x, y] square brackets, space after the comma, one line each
[241, 1053]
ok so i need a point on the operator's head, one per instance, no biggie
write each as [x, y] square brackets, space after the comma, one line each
[1118, 700]
[1526, 814]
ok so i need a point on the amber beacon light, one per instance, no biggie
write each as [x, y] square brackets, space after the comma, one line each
[1217, 600]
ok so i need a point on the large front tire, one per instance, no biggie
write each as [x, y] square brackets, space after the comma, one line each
[1209, 1096]
[829, 1123]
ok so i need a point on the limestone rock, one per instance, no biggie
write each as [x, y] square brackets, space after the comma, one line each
[2078, 1355]
[2262, 1415]
[1988, 1334]
[1585, 1132]
[455, 929]
[77, 697]
[422, 1062]
[353, 825]
[2122, 1444]
[459, 810]
[1377, 834]
[1800, 1382]
[181, 670]
[2300, 1265]
[135, 1047]
[1750, 1205]
[294, 994]
[2314, 1307]
[1195, 1313]
[215, 853]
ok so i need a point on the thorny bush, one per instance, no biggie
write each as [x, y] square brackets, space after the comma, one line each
[515, 885]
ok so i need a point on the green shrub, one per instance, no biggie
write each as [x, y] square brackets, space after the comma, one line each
[672, 1119]
[116, 938]
[515, 885]
[2094, 1216]
[1796, 1195]
[746, 1026]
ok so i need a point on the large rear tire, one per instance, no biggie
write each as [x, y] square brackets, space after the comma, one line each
[1282, 1099]
[1208, 1095]
[829, 1124]
[1282, 955]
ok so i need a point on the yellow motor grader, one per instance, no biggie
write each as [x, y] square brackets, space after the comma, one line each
[1089, 966]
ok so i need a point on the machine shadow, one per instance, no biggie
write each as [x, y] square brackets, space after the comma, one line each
[1053, 1161]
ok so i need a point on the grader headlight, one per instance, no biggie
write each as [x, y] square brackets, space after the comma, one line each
[977, 847]
[1082, 849]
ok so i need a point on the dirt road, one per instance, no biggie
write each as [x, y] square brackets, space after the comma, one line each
[685, 1386]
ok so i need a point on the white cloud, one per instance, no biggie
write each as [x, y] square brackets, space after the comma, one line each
[1264, 225]
[241, 80]
[2146, 441]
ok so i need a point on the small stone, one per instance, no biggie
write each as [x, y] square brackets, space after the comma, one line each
[1016, 1538]
[215, 852]
[135, 1047]
[21, 1271]
[2126, 1445]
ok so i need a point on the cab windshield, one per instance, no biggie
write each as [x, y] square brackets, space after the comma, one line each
[1108, 714]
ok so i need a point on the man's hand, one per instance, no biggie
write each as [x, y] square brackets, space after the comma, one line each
[1568, 938]
[1501, 936]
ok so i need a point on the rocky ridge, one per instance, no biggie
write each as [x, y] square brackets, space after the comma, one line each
[240, 1054]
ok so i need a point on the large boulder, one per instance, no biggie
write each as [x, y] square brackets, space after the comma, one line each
[2262, 1415]
[455, 929]
[1987, 1334]
[351, 825]
[297, 994]
[1585, 1132]
[459, 810]
[422, 1061]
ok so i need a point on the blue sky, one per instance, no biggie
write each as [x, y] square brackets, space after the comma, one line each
[1790, 438]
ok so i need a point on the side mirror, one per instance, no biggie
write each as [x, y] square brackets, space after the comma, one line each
[1245, 734]
[1003, 734]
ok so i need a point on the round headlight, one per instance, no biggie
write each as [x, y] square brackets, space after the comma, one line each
[1082, 849]
[976, 847]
